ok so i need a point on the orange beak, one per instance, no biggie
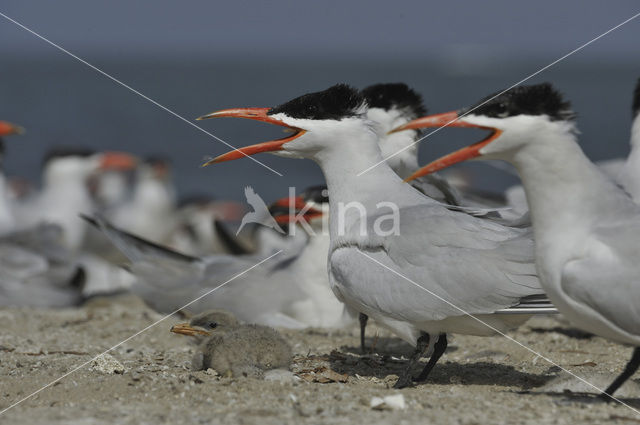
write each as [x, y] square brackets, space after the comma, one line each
[285, 210]
[257, 114]
[119, 161]
[448, 119]
[187, 329]
[6, 128]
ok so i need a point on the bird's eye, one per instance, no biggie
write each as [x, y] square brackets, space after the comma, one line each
[213, 325]
[501, 110]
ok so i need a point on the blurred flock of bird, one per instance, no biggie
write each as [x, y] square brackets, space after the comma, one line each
[461, 261]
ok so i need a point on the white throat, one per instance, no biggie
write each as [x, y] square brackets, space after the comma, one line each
[353, 190]
[566, 192]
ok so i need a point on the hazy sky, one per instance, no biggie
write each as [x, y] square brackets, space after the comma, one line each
[297, 30]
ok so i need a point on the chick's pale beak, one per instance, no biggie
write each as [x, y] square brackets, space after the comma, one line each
[257, 114]
[187, 329]
[6, 128]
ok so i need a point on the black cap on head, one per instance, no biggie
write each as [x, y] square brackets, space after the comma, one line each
[317, 194]
[198, 199]
[67, 151]
[539, 99]
[394, 95]
[336, 102]
[157, 160]
[636, 100]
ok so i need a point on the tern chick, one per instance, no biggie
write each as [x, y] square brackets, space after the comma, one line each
[235, 349]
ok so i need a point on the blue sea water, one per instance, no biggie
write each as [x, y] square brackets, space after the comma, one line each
[61, 101]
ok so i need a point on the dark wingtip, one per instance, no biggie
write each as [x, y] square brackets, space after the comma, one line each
[91, 220]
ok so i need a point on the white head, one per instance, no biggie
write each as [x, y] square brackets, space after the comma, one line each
[319, 121]
[522, 115]
[70, 164]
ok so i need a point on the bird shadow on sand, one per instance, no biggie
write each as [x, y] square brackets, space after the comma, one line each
[569, 397]
[386, 346]
[570, 332]
[381, 364]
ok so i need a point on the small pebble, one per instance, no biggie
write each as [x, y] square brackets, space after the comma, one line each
[390, 402]
[108, 364]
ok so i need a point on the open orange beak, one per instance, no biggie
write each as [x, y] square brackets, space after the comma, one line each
[257, 114]
[6, 128]
[448, 119]
[285, 210]
[187, 329]
[119, 161]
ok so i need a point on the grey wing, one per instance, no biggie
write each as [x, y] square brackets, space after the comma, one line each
[440, 265]
[45, 239]
[28, 277]
[605, 282]
[438, 188]
[158, 265]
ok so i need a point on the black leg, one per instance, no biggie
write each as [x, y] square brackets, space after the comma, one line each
[629, 370]
[422, 345]
[363, 325]
[438, 350]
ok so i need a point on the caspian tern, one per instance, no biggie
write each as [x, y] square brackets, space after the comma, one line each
[200, 227]
[624, 171]
[289, 291]
[64, 194]
[309, 211]
[35, 270]
[627, 172]
[586, 227]
[150, 213]
[463, 265]
[394, 104]
[7, 215]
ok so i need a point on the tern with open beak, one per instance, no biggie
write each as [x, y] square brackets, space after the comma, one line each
[396, 255]
[586, 227]
[625, 171]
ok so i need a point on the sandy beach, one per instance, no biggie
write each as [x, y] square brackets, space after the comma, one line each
[149, 379]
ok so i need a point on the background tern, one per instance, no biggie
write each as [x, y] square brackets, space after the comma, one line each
[586, 227]
[431, 275]
[289, 291]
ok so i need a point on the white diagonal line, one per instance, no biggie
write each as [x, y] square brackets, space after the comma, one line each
[135, 91]
[577, 49]
[496, 330]
[136, 334]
